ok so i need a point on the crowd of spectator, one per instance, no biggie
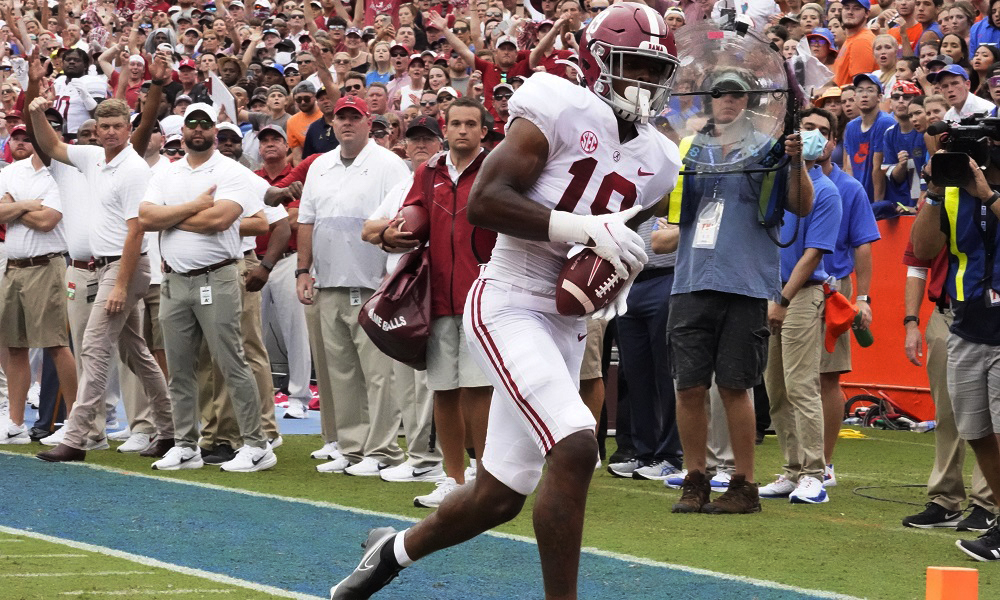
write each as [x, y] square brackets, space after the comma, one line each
[317, 119]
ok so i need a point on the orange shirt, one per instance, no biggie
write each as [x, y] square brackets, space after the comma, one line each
[856, 56]
[297, 126]
[913, 34]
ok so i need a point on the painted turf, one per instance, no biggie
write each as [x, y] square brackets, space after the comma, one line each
[303, 547]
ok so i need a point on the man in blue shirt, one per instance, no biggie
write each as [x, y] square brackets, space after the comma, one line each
[853, 253]
[726, 272]
[793, 360]
[863, 136]
[965, 221]
[901, 158]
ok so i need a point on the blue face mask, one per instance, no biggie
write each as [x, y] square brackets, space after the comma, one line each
[813, 143]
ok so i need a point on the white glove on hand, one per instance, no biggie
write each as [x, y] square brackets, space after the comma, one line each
[618, 306]
[607, 235]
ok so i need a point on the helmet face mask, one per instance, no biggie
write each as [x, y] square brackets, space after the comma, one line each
[615, 44]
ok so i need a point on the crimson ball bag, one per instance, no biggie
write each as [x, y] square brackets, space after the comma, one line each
[397, 317]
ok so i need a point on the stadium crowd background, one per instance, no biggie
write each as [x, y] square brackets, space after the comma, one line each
[885, 72]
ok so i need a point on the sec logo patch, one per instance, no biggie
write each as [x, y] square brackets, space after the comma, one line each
[588, 142]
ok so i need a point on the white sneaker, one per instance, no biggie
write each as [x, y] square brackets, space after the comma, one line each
[623, 469]
[829, 477]
[137, 442]
[470, 471]
[329, 451]
[336, 465]
[15, 434]
[434, 499]
[408, 472]
[120, 436]
[720, 483]
[178, 458]
[367, 467]
[295, 410]
[55, 439]
[101, 444]
[113, 424]
[809, 491]
[250, 459]
[275, 443]
[35, 395]
[657, 471]
[779, 489]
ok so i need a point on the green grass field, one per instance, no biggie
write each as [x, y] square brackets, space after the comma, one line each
[852, 545]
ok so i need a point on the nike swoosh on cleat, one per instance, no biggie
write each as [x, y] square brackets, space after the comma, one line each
[991, 522]
[364, 566]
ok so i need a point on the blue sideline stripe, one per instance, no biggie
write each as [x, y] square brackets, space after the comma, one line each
[300, 547]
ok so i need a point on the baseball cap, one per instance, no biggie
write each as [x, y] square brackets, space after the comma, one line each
[173, 137]
[14, 113]
[136, 118]
[51, 113]
[230, 127]
[414, 57]
[949, 70]
[506, 39]
[137, 58]
[187, 63]
[272, 32]
[400, 47]
[304, 87]
[353, 31]
[822, 33]
[449, 90]
[864, 3]
[174, 9]
[236, 3]
[276, 88]
[831, 92]
[940, 60]
[730, 80]
[194, 29]
[505, 86]
[867, 77]
[18, 128]
[280, 69]
[429, 124]
[183, 98]
[201, 107]
[790, 18]
[352, 102]
[382, 122]
[907, 87]
[261, 4]
[272, 128]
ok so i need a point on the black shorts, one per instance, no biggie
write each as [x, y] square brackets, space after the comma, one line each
[721, 333]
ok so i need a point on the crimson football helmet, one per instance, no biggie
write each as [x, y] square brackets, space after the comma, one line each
[621, 31]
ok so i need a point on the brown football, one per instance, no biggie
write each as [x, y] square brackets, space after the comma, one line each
[415, 221]
[586, 283]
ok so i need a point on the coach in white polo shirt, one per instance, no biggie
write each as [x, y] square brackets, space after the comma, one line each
[31, 292]
[343, 187]
[197, 204]
[117, 178]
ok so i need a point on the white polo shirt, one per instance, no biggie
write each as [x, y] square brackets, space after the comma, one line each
[117, 187]
[388, 209]
[78, 208]
[336, 200]
[273, 214]
[153, 237]
[186, 251]
[23, 182]
[973, 104]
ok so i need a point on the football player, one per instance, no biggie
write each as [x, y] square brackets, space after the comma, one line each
[579, 165]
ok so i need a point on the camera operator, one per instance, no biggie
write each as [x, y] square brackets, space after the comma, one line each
[966, 220]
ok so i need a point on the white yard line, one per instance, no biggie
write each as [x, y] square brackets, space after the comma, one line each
[507, 536]
[77, 574]
[42, 555]
[149, 562]
[145, 592]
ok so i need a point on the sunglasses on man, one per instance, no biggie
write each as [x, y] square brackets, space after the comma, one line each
[353, 87]
[173, 151]
[902, 96]
[205, 124]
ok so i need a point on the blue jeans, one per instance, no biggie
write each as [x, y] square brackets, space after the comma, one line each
[645, 359]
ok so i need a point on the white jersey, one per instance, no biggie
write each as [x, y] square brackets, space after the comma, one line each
[69, 102]
[588, 172]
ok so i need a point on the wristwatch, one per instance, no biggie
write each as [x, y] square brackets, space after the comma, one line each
[864, 298]
[301, 272]
[268, 265]
[989, 202]
[911, 319]
[784, 302]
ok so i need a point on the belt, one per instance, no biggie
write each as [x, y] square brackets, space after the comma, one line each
[86, 265]
[107, 260]
[647, 274]
[34, 261]
[203, 270]
[248, 253]
[284, 254]
[810, 283]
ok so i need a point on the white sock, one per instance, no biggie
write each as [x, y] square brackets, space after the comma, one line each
[402, 557]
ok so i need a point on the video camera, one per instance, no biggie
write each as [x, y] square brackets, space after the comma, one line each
[970, 137]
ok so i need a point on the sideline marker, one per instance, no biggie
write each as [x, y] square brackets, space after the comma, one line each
[952, 583]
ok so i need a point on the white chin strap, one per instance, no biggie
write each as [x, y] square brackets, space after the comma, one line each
[635, 103]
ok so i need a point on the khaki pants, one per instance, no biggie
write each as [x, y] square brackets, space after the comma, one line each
[137, 405]
[416, 406]
[792, 379]
[358, 379]
[103, 334]
[186, 322]
[3, 376]
[946, 485]
[285, 317]
[218, 419]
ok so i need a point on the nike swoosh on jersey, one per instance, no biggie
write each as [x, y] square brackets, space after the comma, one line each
[644, 173]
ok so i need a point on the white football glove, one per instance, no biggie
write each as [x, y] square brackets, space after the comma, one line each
[607, 235]
[617, 307]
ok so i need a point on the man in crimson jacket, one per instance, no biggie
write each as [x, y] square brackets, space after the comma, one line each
[456, 248]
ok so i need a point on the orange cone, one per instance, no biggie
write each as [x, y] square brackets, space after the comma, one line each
[952, 583]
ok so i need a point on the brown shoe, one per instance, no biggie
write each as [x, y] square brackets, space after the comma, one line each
[62, 453]
[741, 498]
[696, 490]
[157, 448]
